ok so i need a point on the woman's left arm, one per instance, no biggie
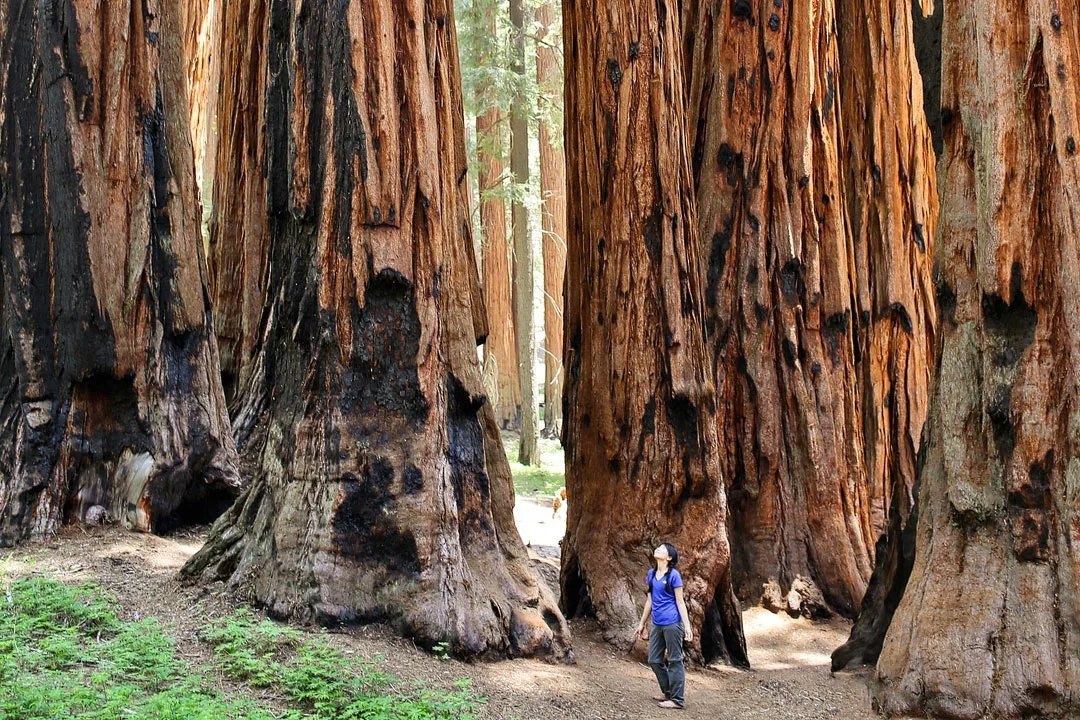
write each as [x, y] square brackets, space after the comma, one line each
[688, 632]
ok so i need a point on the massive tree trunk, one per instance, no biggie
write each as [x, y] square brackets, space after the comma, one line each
[641, 426]
[553, 212]
[238, 242]
[895, 551]
[501, 375]
[112, 400]
[524, 277]
[989, 623]
[816, 202]
[380, 489]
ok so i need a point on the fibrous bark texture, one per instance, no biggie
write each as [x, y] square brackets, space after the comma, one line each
[202, 19]
[816, 198]
[641, 426]
[380, 490]
[111, 398]
[989, 624]
[553, 215]
[238, 235]
[524, 276]
[894, 553]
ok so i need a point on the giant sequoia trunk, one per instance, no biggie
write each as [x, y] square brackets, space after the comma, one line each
[379, 487]
[238, 240]
[553, 212]
[641, 426]
[895, 549]
[816, 202]
[989, 623]
[112, 402]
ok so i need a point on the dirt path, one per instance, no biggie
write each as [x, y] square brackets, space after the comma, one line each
[536, 522]
[791, 657]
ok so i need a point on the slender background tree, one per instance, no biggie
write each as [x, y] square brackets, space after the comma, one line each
[553, 205]
[524, 272]
[486, 79]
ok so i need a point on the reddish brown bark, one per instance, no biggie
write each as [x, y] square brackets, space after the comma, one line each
[238, 242]
[112, 402]
[553, 214]
[895, 549]
[380, 490]
[640, 431]
[817, 208]
[891, 196]
[201, 19]
[989, 623]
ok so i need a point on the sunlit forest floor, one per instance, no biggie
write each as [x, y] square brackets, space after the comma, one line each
[529, 480]
[161, 650]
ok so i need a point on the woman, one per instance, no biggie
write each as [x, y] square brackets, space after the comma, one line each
[670, 625]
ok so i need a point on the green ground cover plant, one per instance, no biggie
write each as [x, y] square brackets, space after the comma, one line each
[67, 654]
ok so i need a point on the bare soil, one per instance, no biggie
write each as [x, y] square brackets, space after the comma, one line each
[791, 677]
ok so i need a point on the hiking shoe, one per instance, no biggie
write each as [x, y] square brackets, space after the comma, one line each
[670, 705]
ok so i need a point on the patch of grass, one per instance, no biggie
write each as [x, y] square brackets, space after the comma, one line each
[546, 479]
[530, 480]
[65, 654]
[318, 679]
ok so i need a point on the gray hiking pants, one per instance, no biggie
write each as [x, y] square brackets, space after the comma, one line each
[666, 660]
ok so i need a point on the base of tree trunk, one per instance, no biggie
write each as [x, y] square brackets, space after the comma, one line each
[977, 632]
[97, 454]
[488, 604]
[894, 558]
[722, 637]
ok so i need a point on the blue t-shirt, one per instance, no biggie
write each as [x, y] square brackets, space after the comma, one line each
[662, 592]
